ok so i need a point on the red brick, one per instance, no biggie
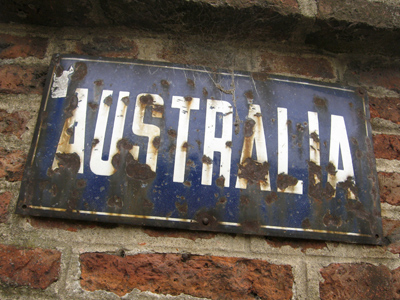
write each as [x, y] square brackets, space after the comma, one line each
[387, 146]
[313, 67]
[13, 123]
[12, 46]
[389, 188]
[391, 232]
[191, 235]
[12, 164]
[5, 199]
[299, 243]
[212, 277]
[36, 268]
[109, 47]
[16, 79]
[374, 74]
[387, 108]
[358, 281]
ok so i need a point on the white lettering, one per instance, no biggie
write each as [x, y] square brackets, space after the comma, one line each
[283, 153]
[185, 106]
[76, 125]
[151, 131]
[340, 141]
[257, 138]
[212, 144]
[98, 165]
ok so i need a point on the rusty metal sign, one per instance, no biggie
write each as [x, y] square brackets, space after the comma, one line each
[166, 145]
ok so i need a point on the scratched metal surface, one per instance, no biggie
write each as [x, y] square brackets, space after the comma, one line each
[166, 145]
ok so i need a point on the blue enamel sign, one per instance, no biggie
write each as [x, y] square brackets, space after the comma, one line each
[157, 144]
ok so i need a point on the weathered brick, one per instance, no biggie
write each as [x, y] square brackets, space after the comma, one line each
[387, 146]
[191, 235]
[374, 73]
[359, 281]
[313, 67]
[109, 47]
[376, 13]
[298, 243]
[5, 199]
[12, 164]
[386, 108]
[36, 268]
[12, 46]
[212, 277]
[389, 187]
[391, 232]
[16, 79]
[13, 123]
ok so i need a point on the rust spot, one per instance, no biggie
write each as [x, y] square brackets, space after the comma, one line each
[172, 133]
[271, 198]
[329, 191]
[354, 141]
[81, 183]
[306, 224]
[228, 144]
[315, 137]
[300, 127]
[253, 171]
[198, 144]
[220, 181]
[205, 92]
[165, 83]
[188, 98]
[320, 102]
[70, 130]
[95, 142]
[348, 185]
[146, 99]
[187, 183]
[289, 122]
[331, 169]
[70, 161]
[99, 82]
[54, 190]
[315, 189]
[93, 105]
[190, 82]
[72, 105]
[172, 149]
[249, 127]
[59, 71]
[125, 100]
[251, 226]
[244, 200]
[206, 160]
[139, 171]
[182, 208]
[124, 143]
[108, 101]
[331, 220]
[80, 71]
[361, 92]
[222, 200]
[115, 202]
[159, 109]
[249, 95]
[258, 115]
[156, 142]
[185, 145]
[190, 163]
[285, 180]
[358, 209]
[116, 160]
[260, 76]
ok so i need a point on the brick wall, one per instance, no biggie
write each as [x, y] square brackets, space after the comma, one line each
[58, 259]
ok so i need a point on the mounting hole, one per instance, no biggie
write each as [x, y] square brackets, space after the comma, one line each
[377, 236]
[24, 206]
